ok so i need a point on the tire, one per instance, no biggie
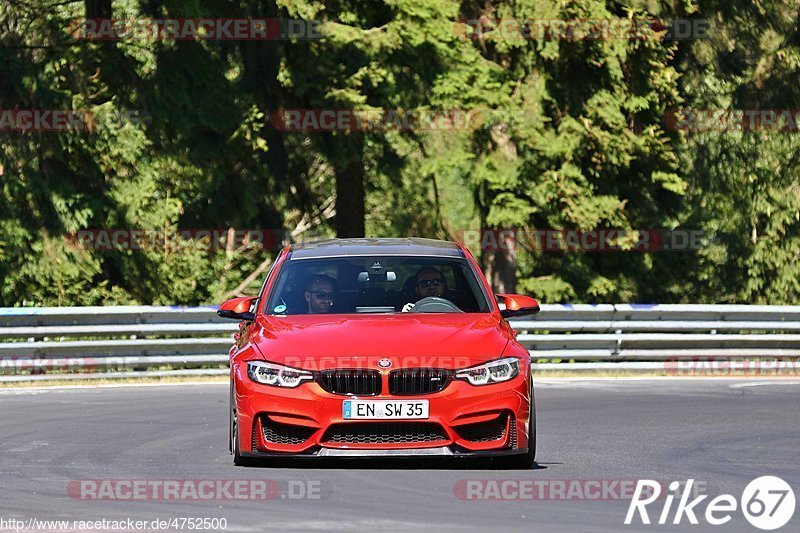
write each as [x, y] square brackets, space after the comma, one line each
[238, 460]
[230, 419]
[528, 459]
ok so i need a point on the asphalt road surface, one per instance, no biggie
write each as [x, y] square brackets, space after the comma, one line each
[595, 437]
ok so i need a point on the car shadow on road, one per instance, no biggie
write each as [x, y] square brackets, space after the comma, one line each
[420, 463]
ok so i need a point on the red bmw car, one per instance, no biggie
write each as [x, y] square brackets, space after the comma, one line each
[379, 347]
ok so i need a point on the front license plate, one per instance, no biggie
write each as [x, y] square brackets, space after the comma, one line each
[384, 409]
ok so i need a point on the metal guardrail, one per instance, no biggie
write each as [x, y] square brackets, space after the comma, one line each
[125, 341]
[637, 332]
[112, 342]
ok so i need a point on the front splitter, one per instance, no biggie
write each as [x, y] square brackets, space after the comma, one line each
[444, 451]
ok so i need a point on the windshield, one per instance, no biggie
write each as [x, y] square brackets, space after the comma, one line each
[376, 284]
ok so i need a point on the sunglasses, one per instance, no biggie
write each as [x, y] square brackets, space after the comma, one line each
[322, 295]
[430, 283]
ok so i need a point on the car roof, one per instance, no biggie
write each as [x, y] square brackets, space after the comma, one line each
[410, 246]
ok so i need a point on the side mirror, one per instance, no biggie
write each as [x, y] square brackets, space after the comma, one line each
[518, 305]
[238, 309]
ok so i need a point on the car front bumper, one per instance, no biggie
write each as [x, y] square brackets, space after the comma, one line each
[444, 451]
[464, 421]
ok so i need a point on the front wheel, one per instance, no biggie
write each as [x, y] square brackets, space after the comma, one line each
[238, 460]
[528, 459]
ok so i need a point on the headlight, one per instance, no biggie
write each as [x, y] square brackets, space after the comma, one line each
[276, 375]
[492, 372]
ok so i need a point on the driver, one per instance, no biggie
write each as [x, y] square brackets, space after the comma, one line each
[429, 281]
[320, 294]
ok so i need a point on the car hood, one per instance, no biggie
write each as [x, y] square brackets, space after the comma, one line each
[315, 342]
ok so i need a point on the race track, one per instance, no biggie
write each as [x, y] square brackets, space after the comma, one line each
[721, 432]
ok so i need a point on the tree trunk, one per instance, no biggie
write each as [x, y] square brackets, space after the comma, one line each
[350, 190]
[262, 61]
[501, 270]
[498, 257]
[98, 9]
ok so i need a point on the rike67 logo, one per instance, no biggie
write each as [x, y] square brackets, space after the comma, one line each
[767, 503]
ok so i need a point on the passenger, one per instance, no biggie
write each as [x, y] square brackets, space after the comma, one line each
[321, 294]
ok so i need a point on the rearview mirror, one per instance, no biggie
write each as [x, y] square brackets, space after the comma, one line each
[518, 305]
[238, 309]
[388, 275]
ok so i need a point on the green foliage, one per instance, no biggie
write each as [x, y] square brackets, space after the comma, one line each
[746, 188]
[565, 134]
